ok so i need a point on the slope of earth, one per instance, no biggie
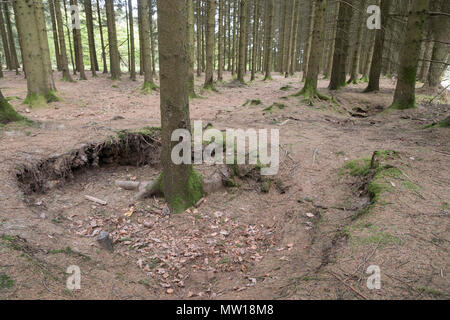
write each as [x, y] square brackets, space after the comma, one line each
[313, 235]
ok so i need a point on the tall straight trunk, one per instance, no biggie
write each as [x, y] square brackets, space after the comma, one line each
[91, 39]
[78, 47]
[100, 26]
[199, 38]
[1, 68]
[233, 51]
[288, 60]
[368, 61]
[229, 35]
[62, 43]
[181, 186]
[132, 48]
[295, 38]
[309, 40]
[287, 36]
[440, 26]
[69, 38]
[268, 34]
[12, 45]
[428, 51]
[55, 34]
[255, 38]
[281, 36]
[31, 25]
[310, 88]
[357, 47]
[191, 47]
[114, 57]
[332, 43]
[148, 85]
[220, 42]
[152, 36]
[242, 40]
[341, 46]
[210, 30]
[404, 96]
[9, 63]
[377, 58]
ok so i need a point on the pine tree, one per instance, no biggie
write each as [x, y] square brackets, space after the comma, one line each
[404, 96]
[181, 185]
[114, 57]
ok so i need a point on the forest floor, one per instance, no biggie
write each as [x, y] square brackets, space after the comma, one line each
[312, 236]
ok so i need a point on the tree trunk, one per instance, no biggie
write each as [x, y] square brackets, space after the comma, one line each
[132, 49]
[242, 40]
[210, 30]
[79, 61]
[114, 57]
[148, 85]
[199, 37]
[31, 25]
[255, 38]
[361, 23]
[191, 48]
[12, 45]
[268, 34]
[7, 112]
[100, 26]
[181, 185]
[69, 38]
[9, 63]
[307, 53]
[220, 42]
[310, 88]
[55, 35]
[62, 43]
[404, 96]
[152, 36]
[91, 39]
[440, 27]
[377, 58]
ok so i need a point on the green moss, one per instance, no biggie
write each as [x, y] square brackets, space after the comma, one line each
[265, 186]
[357, 167]
[145, 131]
[279, 105]
[408, 185]
[148, 87]
[269, 109]
[5, 281]
[8, 114]
[441, 124]
[431, 291]
[379, 238]
[285, 88]
[192, 193]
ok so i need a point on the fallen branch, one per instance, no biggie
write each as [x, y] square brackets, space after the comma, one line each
[96, 200]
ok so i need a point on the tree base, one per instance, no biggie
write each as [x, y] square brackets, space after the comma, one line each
[39, 100]
[311, 95]
[148, 87]
[8, 114]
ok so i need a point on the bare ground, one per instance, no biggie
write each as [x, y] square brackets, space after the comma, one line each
[308, 238]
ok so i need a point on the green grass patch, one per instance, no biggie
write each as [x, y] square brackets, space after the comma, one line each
[5, 281]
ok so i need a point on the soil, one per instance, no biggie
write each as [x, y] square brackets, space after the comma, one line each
[312, 236]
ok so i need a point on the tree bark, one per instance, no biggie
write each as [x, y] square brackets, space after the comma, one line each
[32, 30]
[191, 48]
[440, 27]
[100, 26]
[9, 63]
[242, 40]
[62, 43]
[377, 57]
[12, 45]
[132, 48]
[114, 57]
[91, 39]
[210, 31]
[79, 61]
[181, 186]
[268, 34]
[55, 34]
[404, 96]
